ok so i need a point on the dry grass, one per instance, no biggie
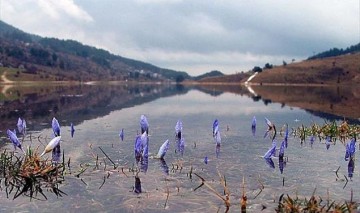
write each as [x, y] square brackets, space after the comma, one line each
[343, 70]
[29, 175]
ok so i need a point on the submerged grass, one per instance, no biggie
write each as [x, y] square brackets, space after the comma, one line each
[314, 204]
[29, 174]
[341, 132]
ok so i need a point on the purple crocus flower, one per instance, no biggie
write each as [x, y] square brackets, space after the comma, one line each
[55, 126]
[216, 132]
[163, 149]
[312, 140]
[21, 125]
[14, 139]
[121, 135]
[215, 127]
[178, 129]
[145, 153]
[271, 151]
[144, 148]
[72, 130]
[57, 150]
[144, 124]
[350, 149]
[206, 160]
[144, 164]
[137, 148]
[271, 127]
[327, 142]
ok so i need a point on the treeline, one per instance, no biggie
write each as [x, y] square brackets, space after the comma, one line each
[336, 52]
[214, 73]
[105, 58]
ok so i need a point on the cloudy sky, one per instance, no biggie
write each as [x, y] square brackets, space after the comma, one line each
[196, 36]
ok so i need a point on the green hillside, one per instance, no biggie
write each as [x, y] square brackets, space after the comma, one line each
[72, 60]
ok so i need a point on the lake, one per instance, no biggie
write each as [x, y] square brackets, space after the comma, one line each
[102, 172]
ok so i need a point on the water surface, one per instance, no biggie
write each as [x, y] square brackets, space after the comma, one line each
[100, 112]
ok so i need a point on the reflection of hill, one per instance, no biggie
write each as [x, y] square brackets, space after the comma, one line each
[75, 103]
[218, 89]
[329, 100]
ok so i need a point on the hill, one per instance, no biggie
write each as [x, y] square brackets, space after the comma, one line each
[335, 66]
[343, 70]
[214, 73]
[336, 52]
[52, 58]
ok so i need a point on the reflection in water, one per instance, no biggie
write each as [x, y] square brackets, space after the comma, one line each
[164, 167]
[351, 167]
[253, 126]
[282, 165]
[217, 150]
[121, 134]
[101, 101]
[180, 145]
[72, 130]
[270, 162]
[137, 186]
[42, 103]
[329, 102]
[206, 160]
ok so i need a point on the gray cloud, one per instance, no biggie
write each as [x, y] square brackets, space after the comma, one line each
[195, 36]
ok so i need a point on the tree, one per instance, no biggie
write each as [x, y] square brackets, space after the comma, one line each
[180, 78]
[268, 66]
[257, 69]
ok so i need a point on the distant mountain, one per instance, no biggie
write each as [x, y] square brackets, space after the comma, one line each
[72, 60]
[214, 73]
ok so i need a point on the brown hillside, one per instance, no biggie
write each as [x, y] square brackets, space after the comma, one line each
[343, 69]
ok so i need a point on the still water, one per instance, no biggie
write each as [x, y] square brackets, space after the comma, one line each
[99, 112]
